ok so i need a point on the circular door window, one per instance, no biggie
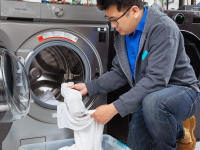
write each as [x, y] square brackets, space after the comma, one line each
[52, 64]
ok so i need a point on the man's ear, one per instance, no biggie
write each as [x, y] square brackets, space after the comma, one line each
[135, 11]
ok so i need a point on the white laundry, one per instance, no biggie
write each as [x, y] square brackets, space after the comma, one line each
[49, 98]
[73, 99]
[88, 134]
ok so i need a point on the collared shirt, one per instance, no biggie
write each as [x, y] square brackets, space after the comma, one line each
[133, 42]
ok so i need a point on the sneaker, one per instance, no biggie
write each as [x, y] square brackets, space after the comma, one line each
[189, 141]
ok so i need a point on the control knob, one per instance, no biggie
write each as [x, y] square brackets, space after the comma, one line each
[179, 19]
[59, 11]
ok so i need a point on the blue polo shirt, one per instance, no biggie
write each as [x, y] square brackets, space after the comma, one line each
[133, 42]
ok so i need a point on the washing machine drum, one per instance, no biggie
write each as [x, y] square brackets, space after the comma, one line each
[14, 88]
[48, 69]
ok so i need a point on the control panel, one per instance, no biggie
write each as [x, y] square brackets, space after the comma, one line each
[59, 11]
[27, 11]
[179, 19]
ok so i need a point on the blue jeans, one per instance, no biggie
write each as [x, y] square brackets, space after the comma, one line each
[158, 124]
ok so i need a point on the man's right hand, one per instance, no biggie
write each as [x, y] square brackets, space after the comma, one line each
[81, 87]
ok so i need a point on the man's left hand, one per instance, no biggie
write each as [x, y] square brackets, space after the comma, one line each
[104, 113]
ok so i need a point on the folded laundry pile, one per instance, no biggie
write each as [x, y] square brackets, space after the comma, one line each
[49, 98]
[72, 114]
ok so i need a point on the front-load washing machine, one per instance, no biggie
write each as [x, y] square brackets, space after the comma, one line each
[188, 22]
[56, 43]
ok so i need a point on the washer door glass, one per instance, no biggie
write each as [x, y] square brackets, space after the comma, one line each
[15, 88]
[50, 66]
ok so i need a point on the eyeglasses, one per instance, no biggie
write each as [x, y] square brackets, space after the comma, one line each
[115, 21]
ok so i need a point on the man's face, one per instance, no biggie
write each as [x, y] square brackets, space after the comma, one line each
[126, 24]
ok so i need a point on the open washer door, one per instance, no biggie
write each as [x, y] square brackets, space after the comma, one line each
[14, 84]
[14, 87]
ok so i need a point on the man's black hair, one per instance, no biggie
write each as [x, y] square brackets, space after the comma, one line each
[121, 4]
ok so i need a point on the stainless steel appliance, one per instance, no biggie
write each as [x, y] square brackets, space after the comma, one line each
[55, 43]
[188, 21]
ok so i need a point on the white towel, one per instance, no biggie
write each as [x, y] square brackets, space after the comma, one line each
[72, 114]
[49, 98]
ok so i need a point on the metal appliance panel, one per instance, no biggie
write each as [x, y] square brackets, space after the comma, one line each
[80, 13]
[191, 32]
[84, 31]
[30, 128]
[188, 24]
[25, 41]
[4, 130]
[22, 22]
[19, 9]
[5, 41]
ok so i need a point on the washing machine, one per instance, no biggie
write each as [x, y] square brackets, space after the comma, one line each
[56, 43]
[188, 21]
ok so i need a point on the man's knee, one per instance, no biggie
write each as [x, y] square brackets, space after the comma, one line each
[153, 102]
[147, 105]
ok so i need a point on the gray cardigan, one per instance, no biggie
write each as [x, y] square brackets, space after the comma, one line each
[161, 60]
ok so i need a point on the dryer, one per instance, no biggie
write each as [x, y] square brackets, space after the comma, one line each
[188, 21]
[56, 44]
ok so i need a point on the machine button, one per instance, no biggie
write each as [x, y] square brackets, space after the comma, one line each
[59, 11]
[179, 19]
[96, 75]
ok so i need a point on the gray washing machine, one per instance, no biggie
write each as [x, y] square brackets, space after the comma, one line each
[188, 21]
[56, 43]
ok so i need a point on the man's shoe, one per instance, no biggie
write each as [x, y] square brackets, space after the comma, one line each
[189, 141]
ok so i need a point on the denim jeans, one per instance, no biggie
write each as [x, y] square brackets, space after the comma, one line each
[158, 124]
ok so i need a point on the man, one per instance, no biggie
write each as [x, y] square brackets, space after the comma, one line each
[151, 57]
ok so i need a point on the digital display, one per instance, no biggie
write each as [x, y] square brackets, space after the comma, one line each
[196, 20]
